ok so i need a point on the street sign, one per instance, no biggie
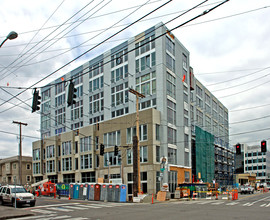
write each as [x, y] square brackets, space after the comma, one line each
[162, 169]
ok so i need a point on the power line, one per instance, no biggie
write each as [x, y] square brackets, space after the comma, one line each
[57, 34]
[81, 55]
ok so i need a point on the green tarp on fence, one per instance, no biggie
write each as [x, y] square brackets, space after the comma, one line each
[205, 155]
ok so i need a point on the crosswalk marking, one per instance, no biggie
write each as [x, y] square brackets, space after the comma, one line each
[248, 204]
[35, 217]
[60, 209]
[263, 205]
[217, 203]
[232, 203]
[79, 218]
[43, 211]
[267, 205]
[75, 207]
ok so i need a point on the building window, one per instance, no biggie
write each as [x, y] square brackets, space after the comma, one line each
[28, 166]
[85, 144]
[86, 161]
[66, 148]
[143, 154]
[157, 132]
[170, 62]
[158, 154]
[113, 160]
[36, 154]
[112, 139]
[88, 177]
[14, 166]
[36, 168]
[28, 178]
[171, 111]
[50, 166]
[171, 89]
[172, 158]
[67, 164]
[129, 156]
[143, 135]
[172, 136]
[50, 151]
[187, 177]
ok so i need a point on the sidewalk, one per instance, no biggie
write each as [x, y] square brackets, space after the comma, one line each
[7, 212]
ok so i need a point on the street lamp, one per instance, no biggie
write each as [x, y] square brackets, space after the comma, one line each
[12, 35]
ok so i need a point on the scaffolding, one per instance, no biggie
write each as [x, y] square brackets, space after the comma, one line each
[205, 155]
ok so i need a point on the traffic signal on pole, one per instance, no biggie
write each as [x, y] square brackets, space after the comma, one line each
[238, 148]
[263, 146]
[36, 102]
[115, 150]
[101, 153]
[71, 94]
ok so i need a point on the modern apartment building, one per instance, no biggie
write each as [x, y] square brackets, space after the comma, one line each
[155, 64]
[257, 162]
[9, 170]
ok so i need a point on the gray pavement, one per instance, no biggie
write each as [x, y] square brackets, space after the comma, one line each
[7, 212]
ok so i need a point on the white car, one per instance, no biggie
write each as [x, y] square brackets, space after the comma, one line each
[7, 195]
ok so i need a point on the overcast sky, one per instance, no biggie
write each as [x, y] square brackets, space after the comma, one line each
[229, 52]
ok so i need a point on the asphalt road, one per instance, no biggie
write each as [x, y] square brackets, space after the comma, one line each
[255, 206]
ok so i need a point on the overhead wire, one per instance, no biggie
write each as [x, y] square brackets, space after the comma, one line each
[52, 39]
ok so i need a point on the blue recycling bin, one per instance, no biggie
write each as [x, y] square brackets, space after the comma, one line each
[123, 193]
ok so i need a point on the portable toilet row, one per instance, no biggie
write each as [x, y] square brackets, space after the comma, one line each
[98, 192]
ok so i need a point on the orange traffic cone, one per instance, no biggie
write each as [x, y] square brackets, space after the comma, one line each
[69, 197]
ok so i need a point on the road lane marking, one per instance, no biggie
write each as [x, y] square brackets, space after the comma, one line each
[263, 205]
[79, 218]
[75, 207]
[44, 206]
[267, 205]
[248, 204]
[35, 217]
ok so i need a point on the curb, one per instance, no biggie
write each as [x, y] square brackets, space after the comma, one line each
[17, 216]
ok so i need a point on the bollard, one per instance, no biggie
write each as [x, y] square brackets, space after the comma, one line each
[152, 198]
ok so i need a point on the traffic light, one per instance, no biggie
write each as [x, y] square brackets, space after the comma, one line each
[238, 148]
[115, 150]
[71, 94]
[263, 146]
[101, 153]
[36, 102]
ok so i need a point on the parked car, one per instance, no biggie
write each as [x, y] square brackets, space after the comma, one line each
[7, 195]
[246, 189]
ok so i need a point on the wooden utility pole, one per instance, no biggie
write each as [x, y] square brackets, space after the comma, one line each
[20, 150]
[136, 148]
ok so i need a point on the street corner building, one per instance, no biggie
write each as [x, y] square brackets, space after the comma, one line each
[179, 119]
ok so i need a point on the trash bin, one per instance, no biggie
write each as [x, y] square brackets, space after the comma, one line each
[104, 192]
[97, 192]
[91, 192]
[123, 193]
[117, 193]
[111, 193]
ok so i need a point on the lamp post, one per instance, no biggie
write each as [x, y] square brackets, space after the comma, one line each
[12, 35]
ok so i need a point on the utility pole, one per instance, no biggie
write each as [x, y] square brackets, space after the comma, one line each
[136, 148]
[20, 150]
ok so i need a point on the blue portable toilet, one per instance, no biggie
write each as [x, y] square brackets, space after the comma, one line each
[76, 191]
[123, 193]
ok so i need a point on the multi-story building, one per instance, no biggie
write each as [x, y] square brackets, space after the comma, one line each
[257, 162]
[9, 170]
[155, 64]
[212, 157]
